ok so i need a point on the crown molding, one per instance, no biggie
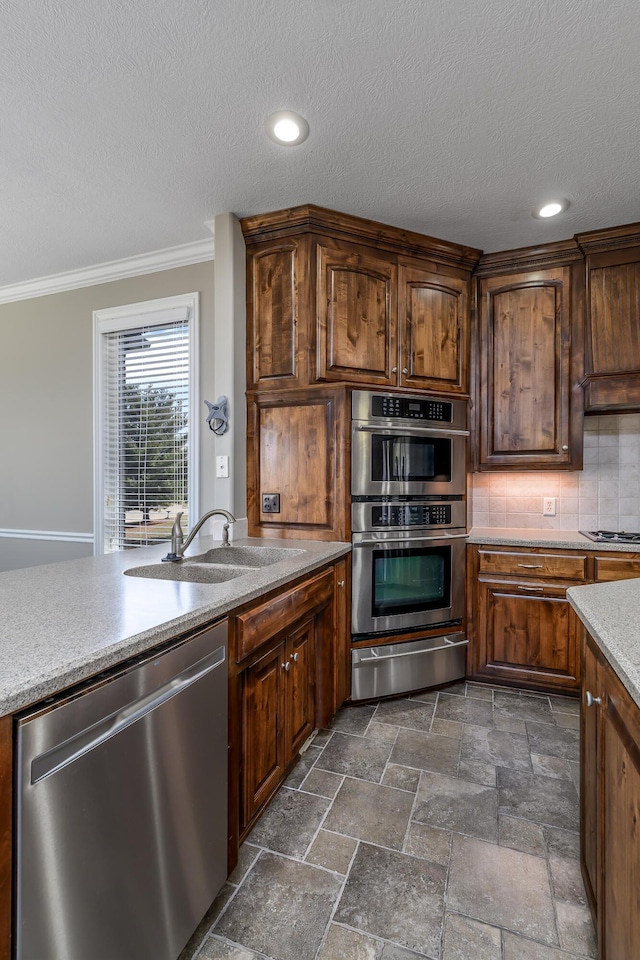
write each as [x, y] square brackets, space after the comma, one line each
[312, 219]
[183, 255]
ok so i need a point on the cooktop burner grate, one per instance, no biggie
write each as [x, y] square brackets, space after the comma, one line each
[611, 536]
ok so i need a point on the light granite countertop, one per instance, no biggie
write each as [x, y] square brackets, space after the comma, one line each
[611, 614]
[65, 622]
[565, 539]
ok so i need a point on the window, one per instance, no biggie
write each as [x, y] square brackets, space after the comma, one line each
[145, 436]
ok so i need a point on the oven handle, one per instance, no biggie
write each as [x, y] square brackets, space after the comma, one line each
[419, 431]
[409, 540]
[449, 644]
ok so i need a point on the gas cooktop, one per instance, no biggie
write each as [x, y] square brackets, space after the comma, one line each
[611, 536]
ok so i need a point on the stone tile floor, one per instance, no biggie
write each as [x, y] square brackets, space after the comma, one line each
[443, 825]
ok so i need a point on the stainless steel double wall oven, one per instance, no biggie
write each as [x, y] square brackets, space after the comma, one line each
[408, 485]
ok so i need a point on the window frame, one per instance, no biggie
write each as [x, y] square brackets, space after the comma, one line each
[128, 317]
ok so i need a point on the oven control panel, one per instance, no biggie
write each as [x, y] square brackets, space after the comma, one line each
[411, 408]
[410, 514]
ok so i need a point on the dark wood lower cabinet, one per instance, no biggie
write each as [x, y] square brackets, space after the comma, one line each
[278, 714]
[526, 635]
[6, 754]
[263, 745]
[287, 677]
[610, 807]
[521, 628]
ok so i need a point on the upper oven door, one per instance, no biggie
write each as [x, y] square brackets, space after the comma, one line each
[407, 461]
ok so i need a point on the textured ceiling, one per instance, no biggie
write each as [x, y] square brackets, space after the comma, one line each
[124, 125]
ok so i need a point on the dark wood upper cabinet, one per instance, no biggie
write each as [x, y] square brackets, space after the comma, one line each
[278, 353]
[297, 448]
[338, 298]
[433, 315]
[528, 403]
[356, 310]
[612, 358]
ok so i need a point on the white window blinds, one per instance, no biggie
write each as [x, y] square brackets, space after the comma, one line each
[145, 407]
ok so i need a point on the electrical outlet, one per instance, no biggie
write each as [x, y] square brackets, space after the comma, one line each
[271, 503]
[549, 506]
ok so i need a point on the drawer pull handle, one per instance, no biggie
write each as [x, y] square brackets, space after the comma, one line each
[589, 699]
[529, 589]
[532, 566]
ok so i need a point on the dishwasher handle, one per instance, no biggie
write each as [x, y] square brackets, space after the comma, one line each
[86, 740]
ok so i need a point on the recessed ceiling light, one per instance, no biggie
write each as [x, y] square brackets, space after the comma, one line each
[551, 209]
[286, 128]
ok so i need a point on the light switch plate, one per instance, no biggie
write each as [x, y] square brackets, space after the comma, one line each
[222, 466]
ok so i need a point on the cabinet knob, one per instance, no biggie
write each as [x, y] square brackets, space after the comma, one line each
[565, 446]
[589, 699]
[405, 370]
[285, 666]
[341, 583]
[294, 657]
[394, 369]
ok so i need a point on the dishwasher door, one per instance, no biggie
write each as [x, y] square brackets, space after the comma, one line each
[122, 810]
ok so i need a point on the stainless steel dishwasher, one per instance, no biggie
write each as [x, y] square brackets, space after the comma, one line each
[122, 809]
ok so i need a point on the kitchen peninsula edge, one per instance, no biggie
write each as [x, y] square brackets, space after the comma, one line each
[69, 622]
[66, 622]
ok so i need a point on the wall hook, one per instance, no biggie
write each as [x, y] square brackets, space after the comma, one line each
[218, 416]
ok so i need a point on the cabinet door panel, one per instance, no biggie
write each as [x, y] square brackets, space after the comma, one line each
[590, 776]
[614, 303]
[620, 895]
[300, 685]
[263, 730]
[526, 634]
[296, 448]
[433, 317]
[274, 341]
[613, 336]
[526, 341]
[525, 369]
[357, 318]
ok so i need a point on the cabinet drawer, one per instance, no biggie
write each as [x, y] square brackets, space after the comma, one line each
[558, 566]
[262, 623]
[614, 568]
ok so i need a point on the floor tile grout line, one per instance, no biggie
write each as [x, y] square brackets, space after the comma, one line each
[411, 820]
[320, 825]
[337, 901]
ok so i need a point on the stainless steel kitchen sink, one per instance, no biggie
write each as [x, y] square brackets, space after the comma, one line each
[191, 572]
[245, 556]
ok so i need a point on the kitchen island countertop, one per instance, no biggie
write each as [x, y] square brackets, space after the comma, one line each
[611, 614]
[65, 622]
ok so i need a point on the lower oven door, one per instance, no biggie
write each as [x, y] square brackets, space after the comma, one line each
[402, 582]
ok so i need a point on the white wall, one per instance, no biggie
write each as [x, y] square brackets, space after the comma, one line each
[46, 398]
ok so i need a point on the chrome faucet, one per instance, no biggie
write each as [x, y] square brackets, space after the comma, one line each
[179, 544]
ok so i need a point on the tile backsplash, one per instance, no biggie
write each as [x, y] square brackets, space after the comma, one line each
[604, 495]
